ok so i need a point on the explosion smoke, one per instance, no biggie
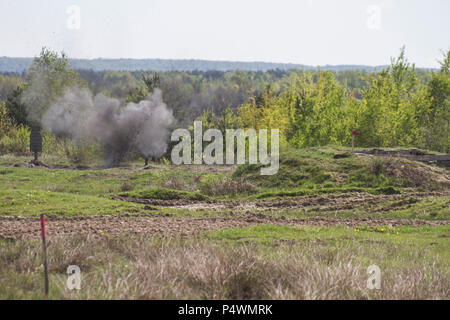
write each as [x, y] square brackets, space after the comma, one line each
[80, 116]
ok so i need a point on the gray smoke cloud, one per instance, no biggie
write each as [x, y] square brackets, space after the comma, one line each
[119, 128]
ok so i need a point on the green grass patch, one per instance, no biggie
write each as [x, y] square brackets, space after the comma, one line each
[302, 170]
[432, 240]
[308, 192]
[35, 203]
[165, 194]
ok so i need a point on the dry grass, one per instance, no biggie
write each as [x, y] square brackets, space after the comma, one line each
[220, 187]
[197, 269]
[211, 185]
[414, 174]
[126, 186]
[174, 183]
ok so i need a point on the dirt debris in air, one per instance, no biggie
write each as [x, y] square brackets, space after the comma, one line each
[29, 227]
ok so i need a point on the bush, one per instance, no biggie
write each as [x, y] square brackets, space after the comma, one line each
[377, 166]
[174, 183]
[214, 186]
[165, 194]
[16, 141]
[126, 186]
[386, 190]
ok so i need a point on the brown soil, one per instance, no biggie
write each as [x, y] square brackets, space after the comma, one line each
[326, 202]
[163, 227]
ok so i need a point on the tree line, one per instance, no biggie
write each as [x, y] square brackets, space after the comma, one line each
[396, 106]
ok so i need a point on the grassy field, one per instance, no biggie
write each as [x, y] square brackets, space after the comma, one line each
[225, 232]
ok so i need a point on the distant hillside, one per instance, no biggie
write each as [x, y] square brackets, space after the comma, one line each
[8, 64]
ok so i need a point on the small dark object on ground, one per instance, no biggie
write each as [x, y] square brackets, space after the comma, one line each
[37, 163]
[341, 155]
[153, 159]
[82, 167]
[149, 168]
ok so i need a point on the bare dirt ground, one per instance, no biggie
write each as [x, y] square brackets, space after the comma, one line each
[166, 227]
[325, 202]
[236, 213]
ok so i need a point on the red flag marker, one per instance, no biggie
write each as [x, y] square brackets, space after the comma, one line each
[42, 226]
[44, 247]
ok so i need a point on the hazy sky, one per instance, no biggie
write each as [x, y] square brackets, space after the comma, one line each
[313, 32]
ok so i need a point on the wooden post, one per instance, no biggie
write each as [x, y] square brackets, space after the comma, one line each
[44, 247]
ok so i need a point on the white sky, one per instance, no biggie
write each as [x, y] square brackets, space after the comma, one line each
[312, 32]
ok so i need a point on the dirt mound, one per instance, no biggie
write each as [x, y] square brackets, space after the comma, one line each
[442, 160]
[418, 174]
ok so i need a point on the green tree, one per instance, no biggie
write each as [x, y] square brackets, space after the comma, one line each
[438, 129]
[47, 78]
[141, 92]
[15, 109]
[394, 106]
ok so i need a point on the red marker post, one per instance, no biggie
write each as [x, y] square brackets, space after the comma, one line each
[44, 246]
[354, 133]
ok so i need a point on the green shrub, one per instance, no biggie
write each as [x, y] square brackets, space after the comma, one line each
[16, 141]
[377, 167]
[386, 190]
[214, 185]
[165, 194]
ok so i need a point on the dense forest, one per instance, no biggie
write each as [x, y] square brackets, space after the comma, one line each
[395, 106]
[18, 65]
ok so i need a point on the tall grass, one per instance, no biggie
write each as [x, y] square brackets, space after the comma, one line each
[197, 269]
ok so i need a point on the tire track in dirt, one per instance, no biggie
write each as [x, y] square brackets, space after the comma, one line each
[324, 202]
[29, 227]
